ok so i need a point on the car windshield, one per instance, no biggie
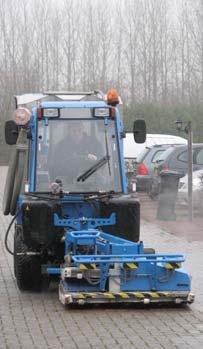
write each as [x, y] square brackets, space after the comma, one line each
[81, 153]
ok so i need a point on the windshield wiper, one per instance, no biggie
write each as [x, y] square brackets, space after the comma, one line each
[107, 152]
[93, 168]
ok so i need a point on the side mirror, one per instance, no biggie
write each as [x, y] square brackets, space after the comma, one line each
[11, 132]
[139, 131]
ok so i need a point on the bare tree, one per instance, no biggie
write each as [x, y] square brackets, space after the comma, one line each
[150, 52]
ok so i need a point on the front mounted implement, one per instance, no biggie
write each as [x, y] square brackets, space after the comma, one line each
[102, 268]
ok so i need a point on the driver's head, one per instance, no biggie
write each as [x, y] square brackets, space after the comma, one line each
[76, 130]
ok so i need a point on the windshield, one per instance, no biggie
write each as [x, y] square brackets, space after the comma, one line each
[82, 153]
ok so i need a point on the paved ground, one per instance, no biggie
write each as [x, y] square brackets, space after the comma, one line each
[39, 321]
[181, 227]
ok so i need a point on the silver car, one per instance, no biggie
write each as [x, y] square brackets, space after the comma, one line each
[197, 190]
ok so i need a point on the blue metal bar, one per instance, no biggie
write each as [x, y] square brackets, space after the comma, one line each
[119, 127]
[74, 104]
[84, 234]
[54, 271]
[139, 258]
[116, 239]
[82, 237]
[76, 223]
[32, 165]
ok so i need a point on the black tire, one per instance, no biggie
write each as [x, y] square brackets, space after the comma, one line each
[127, 211]
[27, 269]
[15, 250]
[134, 234]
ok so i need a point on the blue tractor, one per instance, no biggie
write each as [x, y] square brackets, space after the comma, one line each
[74, 219]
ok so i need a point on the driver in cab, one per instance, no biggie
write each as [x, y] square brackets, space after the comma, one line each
[74, 152]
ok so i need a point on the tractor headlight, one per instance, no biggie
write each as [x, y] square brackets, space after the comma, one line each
[21, 116]
[51, 113]
[101, 112]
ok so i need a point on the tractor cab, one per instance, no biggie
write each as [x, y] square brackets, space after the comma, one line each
[74, 140]
[80, 148]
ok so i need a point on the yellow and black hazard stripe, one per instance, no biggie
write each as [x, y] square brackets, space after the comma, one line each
[120, 295]
[130, 265]
[109, 295]
[140, 296]
[171, 266]
[87, 266]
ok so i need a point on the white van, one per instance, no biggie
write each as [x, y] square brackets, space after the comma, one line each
[132, 149]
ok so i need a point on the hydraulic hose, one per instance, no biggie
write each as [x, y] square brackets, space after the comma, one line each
[7, 233]
[29, 253]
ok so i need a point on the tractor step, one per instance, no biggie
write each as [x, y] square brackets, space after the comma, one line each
[82, 298]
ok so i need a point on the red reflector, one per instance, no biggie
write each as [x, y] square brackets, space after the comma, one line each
[142, 170]
[39, 113]
[113, 112]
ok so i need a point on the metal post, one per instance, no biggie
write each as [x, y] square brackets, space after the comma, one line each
[190, 169]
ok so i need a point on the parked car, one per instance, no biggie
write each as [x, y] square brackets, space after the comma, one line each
[175, 158]
[197, 186]
[144, 165]
[132, 150]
